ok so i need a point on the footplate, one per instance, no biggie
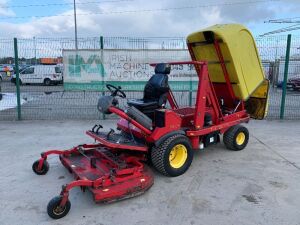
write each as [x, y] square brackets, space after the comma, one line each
[117, 141]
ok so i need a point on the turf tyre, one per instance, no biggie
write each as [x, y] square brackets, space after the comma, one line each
[230, 138]
[160, 155]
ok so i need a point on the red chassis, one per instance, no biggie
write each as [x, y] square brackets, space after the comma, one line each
[191, 118]
[113, 170]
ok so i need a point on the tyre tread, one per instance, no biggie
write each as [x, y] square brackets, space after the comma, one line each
[157, 154]
[53, 203]
[229, 137]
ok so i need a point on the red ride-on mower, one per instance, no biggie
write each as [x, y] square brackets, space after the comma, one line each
[114, 168]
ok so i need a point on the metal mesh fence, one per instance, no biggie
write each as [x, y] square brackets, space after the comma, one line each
[272, 52]
[39, 101]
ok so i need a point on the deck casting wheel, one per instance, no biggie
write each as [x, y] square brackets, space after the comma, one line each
[236, 138]
[55, 211]
[173, 156]
[43, 171]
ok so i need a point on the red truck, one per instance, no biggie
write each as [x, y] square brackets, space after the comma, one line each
[294, 83]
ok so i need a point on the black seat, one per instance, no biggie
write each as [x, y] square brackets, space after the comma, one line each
[155, 91]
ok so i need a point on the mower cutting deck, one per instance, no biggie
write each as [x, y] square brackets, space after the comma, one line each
[114, 168]
[108, 175]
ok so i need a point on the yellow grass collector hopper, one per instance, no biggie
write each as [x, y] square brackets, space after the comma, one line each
[231, 50]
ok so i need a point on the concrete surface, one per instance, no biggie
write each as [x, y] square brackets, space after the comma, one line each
[259, 185]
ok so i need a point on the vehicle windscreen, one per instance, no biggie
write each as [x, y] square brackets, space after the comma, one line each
[58, 69]
[29, 70]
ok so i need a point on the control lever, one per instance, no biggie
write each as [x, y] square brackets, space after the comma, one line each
[93, 129]
[112, 131]
[99, 127]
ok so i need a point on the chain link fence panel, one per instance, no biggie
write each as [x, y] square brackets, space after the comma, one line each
[40, 101]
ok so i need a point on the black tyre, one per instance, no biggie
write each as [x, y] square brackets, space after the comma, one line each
[47, 82]
[43, 171]
[173, 156]
[236, 138]
[55, 211]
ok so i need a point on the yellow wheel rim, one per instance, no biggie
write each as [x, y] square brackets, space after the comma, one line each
[178, 156]
[240, 138]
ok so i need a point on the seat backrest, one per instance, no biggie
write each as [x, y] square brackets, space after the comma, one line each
[157, 86]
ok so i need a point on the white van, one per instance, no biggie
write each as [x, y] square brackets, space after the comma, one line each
[40, 74]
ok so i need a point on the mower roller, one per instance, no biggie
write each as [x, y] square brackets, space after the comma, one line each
[115, 167]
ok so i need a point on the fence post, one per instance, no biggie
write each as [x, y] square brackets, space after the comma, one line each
[277, 64]
[102, 70]
[286, 70]
[191, 91]
[17, 78]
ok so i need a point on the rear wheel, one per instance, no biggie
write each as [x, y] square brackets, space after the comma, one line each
[236, 138]
[173, 156]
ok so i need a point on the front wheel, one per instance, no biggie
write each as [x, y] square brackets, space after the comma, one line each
[56, 211]
[236, 138]
[173, 156]
[43, 170]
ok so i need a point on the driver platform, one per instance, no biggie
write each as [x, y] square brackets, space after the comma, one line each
[117, 141]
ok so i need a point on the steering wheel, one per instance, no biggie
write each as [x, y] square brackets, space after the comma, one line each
[115, 91]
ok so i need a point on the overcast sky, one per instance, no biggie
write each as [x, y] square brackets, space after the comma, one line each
[163, 18]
